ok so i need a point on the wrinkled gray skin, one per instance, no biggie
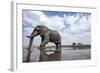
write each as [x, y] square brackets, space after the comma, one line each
[47, 36]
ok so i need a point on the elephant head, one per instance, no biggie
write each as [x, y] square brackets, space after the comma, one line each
[38, 30]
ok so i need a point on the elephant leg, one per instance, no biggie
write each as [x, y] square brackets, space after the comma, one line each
[42, 46]
[58, 47]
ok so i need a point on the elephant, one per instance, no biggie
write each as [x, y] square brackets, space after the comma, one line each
[47, 35]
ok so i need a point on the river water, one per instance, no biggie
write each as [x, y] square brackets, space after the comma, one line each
[67, 53]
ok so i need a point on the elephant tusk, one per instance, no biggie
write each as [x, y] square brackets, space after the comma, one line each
[30, 36]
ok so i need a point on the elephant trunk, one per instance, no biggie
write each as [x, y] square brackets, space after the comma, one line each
[33, 34]
[30, 44]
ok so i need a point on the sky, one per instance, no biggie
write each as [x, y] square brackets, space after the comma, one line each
[72, 26]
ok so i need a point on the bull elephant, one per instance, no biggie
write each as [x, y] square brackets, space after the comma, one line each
[47, 35]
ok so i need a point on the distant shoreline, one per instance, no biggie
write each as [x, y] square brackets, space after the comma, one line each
[74, 46]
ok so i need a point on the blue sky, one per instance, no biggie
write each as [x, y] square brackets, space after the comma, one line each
[73, 26]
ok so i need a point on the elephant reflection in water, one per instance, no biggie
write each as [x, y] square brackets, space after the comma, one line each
[47, 35]
[56, 56]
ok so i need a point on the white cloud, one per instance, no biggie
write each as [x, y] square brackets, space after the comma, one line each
[40, 14]
[76, 31]
[84, 23]
[52, 22]
[71, 19]
[55, 22]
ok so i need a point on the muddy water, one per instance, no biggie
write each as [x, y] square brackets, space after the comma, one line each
[66, 54]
